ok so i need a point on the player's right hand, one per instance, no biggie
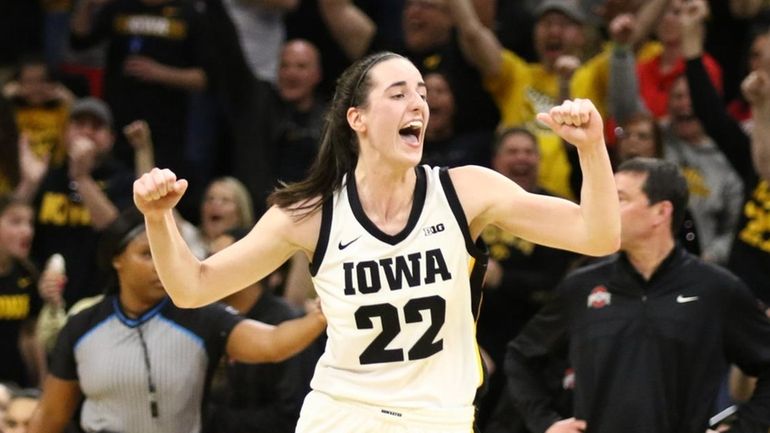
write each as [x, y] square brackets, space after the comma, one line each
[158, 191]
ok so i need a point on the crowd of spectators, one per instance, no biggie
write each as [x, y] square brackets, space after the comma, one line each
[231, 94]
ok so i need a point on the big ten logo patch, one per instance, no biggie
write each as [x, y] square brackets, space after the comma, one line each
[432, 230]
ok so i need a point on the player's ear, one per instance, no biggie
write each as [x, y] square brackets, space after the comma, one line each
[356, 119]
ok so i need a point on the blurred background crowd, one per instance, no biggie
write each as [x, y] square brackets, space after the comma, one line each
[231, 95]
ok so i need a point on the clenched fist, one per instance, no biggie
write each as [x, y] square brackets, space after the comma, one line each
[158, 191]
[577, 122]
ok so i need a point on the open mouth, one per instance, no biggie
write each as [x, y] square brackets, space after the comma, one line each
[553, 48]
[411, 132]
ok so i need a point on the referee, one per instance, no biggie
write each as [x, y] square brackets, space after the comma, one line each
[141, 364]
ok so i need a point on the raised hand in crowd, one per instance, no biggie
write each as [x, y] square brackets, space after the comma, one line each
[756, 90]
[566, 65]
[52, 91]
[622, 28]
[32, 169]
[139, 136]
[82, 158]
[692, 21]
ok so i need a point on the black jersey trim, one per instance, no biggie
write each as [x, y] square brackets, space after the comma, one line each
[457, 210]
[197, 339]
[323, 237]
[420, 190]
[477, 274]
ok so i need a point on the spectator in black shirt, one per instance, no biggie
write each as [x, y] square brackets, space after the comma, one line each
[156, 53]
[299, 74]
[76, 201]
[274, 129]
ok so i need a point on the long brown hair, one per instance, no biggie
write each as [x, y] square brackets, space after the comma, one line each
[338, 152]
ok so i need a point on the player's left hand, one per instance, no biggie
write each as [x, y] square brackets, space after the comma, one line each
[576, 121]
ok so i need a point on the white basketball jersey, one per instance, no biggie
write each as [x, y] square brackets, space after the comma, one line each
[400, 310]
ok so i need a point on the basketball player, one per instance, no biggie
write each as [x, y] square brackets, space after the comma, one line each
[391, 246]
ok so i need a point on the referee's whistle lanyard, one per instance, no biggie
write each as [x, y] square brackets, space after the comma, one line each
[150, 383]
[138, 324]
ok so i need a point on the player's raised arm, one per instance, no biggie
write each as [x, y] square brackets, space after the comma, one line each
[192, 283]
[592, 227]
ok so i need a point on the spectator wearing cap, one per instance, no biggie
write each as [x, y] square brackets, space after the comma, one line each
[522, 89]
[77, 200]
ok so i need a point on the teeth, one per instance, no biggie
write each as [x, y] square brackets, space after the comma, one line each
[414, 124]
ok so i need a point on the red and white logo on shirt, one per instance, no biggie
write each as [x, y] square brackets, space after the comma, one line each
[600, 297]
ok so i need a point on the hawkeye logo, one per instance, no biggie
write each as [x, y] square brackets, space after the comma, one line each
[600, 297]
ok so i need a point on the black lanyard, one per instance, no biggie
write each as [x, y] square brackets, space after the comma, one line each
[150, 383]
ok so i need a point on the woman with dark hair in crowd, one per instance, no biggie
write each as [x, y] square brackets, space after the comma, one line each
[392, 247]
[139, 362]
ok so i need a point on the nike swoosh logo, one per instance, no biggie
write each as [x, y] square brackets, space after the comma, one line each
[342, 246]
[684, 299]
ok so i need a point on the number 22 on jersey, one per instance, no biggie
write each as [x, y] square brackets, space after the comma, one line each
[425, 346]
